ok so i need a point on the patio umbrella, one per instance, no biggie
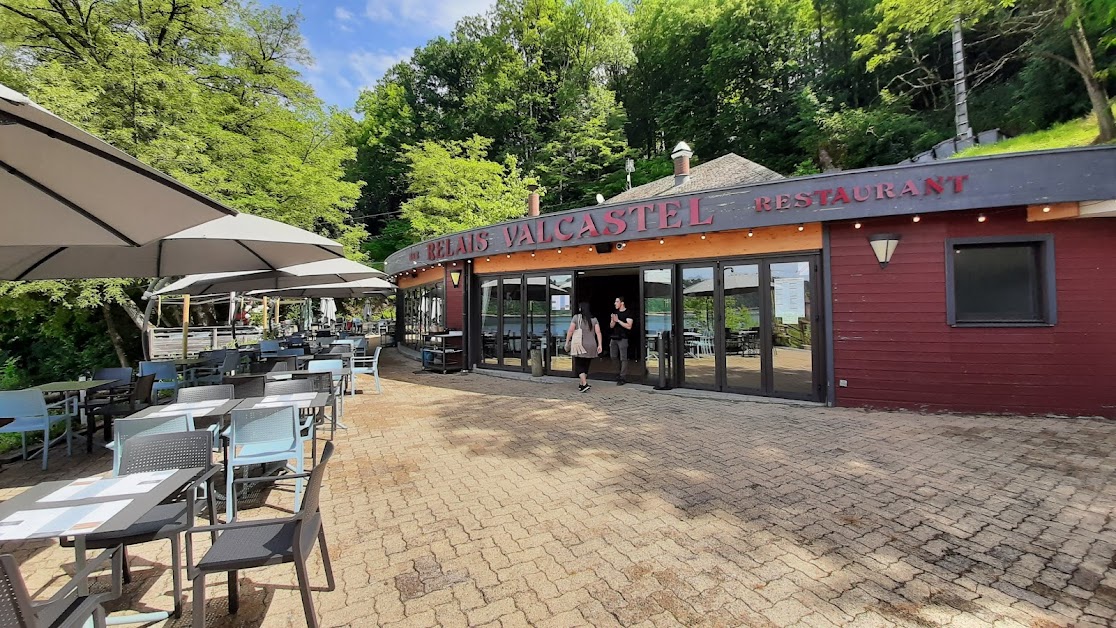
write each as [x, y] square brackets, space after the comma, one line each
[325, 271]
[61, 186]
[346, 290]
[232, 243]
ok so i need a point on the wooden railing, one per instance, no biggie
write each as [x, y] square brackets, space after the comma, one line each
[166, 342]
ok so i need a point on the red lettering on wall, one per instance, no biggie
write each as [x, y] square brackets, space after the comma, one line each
[909, 189]
[509, 239]
[558, 233]
[615, 218]
[824, 196]
[695, 214]
[842, 196]
[431, 250]
[463, 246]
[884, 190]
[803, 199]
[480, 241]
[540, 232]
[588, 226]
[763, 204]
[667, 211]
[933, 185]
[641, 216]
[959, 183]
[525, 236]
[782, 201]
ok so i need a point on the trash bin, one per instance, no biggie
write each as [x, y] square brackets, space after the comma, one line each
[536, 363]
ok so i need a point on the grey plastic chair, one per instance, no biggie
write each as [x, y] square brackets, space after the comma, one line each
[205, 393]
[323, 382]
[65, 609]
[139, 398]
[259, 543]
[245, 387]
[168, 521]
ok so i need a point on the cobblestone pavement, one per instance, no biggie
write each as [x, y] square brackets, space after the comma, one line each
[470, 500]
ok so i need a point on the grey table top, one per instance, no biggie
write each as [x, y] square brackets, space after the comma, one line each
[345, 372]
[198, 409]
[75, 386]
[299, 400]
[38, 513]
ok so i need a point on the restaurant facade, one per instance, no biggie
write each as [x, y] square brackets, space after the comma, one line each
[968, 285]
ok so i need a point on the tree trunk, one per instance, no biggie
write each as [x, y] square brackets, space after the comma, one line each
[1087, 68]
[114, 336]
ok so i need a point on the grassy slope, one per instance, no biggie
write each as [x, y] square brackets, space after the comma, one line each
[1080, 132]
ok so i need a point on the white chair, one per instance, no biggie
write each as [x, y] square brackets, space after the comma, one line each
[364, 365]
[262, 436]
[31, 413]
[145, 426]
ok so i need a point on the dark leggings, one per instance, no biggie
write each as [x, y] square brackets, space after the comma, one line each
[581, 365]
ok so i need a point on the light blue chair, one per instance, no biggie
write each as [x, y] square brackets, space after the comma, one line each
[145, 426]
[269, 348]
[363, 365]
[334, 367]
[262, 436]
[31, 413]
[166, 377]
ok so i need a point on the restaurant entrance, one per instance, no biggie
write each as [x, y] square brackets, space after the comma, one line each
[599, 288]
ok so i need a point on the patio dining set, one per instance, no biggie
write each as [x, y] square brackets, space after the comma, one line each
[176, 431]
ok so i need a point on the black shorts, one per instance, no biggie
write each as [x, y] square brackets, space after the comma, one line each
[581, 365]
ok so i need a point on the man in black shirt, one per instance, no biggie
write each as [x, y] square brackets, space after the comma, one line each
[620, 326]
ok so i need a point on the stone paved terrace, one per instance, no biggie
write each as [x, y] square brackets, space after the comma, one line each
[461, 500]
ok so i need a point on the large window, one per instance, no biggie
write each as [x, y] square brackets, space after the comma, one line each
[1002, 281]
[424, 313]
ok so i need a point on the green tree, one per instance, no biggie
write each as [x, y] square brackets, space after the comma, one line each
[456, 187]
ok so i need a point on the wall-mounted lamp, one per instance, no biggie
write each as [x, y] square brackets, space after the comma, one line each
[455, 277]
[883, 245]
[620, 246]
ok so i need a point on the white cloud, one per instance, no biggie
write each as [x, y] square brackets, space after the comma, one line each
[341, 14]
[370, 66]
[441, 14]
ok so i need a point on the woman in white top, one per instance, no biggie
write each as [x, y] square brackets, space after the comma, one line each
[589, 346]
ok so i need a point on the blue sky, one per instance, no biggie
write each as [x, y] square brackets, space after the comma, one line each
[354, 42]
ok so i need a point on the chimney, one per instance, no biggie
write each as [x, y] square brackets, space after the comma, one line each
[681, 157]
[533, 200]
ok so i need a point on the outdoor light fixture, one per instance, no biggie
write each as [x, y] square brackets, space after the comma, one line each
[750, 234]
[488, 259]
[455, 277]
[856, 226]
[532, 253]
[620, 246]
[1046, 210]
[590, 248]
[662, 241]
[801, 227]
[509, 255]
[916, 218]
[559, 249]
[981, 218]
[703, 236]
[883, 245]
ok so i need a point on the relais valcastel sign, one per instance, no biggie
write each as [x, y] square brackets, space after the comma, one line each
[948, 185]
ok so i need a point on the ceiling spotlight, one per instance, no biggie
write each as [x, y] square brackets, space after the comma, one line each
[559, 249]
[801, 227]
[856, 226]
[620, 246]
[488, 259]
[590, 248]
[509, 256]
[916, 218]
[981, 218]
[750, 234]
[532, 253]
[662, 241]
[1046, 210]
[454, 264]
[703, 236]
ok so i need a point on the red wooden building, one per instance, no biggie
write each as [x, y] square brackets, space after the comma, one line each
[969, 285]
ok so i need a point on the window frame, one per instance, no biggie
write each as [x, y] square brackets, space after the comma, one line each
[1046, 273]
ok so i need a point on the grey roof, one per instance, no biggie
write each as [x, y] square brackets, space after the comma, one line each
[724, 171]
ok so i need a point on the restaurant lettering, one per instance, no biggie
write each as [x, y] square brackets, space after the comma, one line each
[828, 197]
[654, 217]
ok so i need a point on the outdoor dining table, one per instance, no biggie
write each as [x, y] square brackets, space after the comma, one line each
[82, 388]
[77, 508]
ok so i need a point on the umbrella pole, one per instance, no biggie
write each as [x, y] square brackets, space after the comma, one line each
[185, 325]
[266, 319]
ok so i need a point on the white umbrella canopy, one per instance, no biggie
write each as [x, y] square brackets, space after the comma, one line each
[61, 186]
[346, 290]
[233, 243]
[325, 271]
